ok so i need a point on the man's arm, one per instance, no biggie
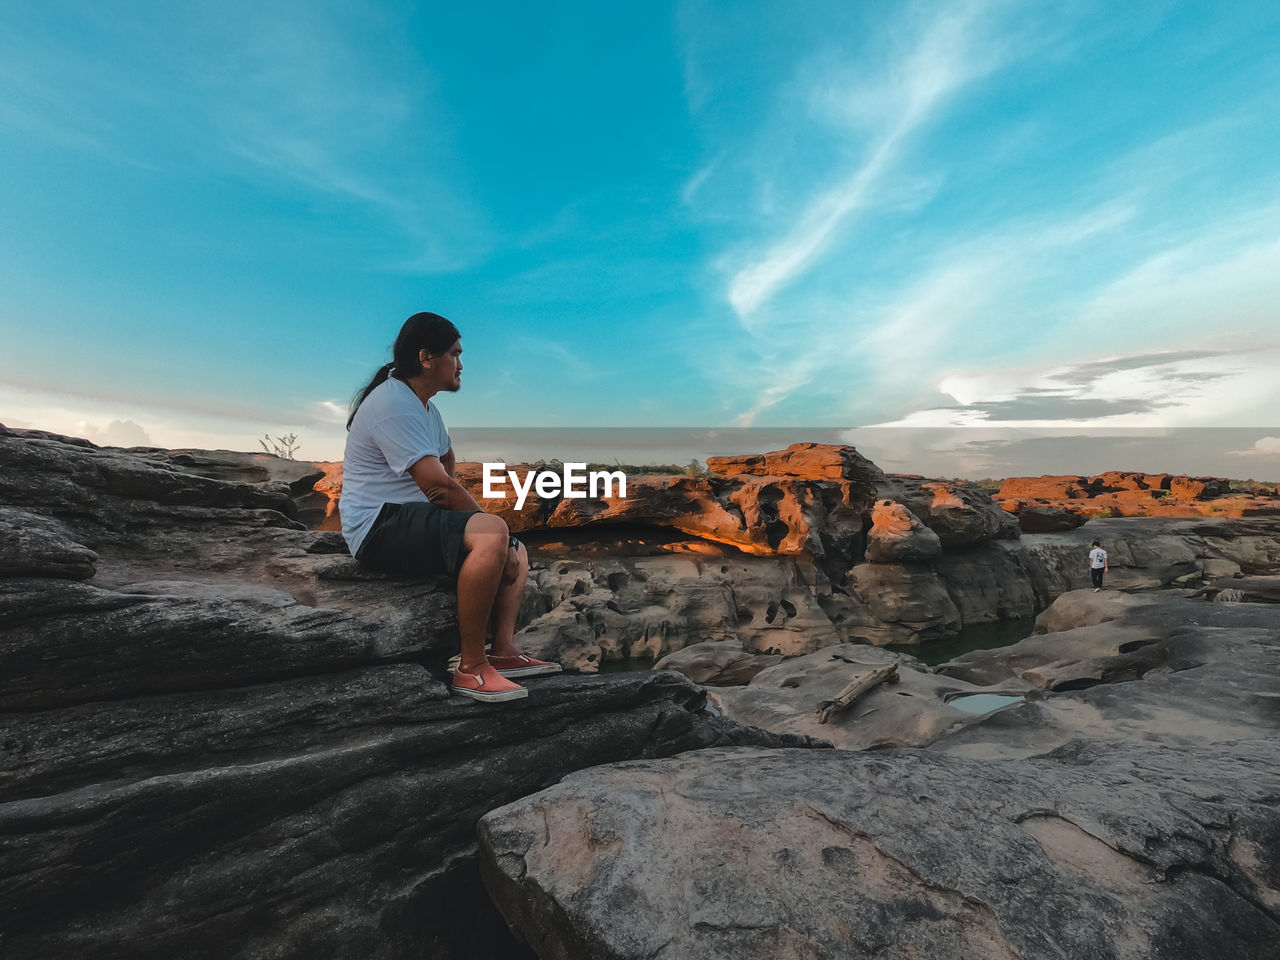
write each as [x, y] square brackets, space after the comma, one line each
[449, 462]
[436, 481]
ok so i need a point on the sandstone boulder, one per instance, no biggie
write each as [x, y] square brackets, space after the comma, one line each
[722, 663]
[1167, 668]
[960, 513]
[808, 461]
[912, 712]
[1088, 851]
[901, 604]
[1242, 589]
[896, 536]
[1037, 519]
[1043, 488]
[1199, 488]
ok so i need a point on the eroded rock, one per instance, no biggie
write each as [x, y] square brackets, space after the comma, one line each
[719, 663]
[912, 712]
[1128, 851]
[897, 536]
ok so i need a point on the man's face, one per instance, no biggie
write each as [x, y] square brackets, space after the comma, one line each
[446, 368]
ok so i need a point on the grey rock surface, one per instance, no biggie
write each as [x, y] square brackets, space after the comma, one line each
[720, 663]
[1125, 851]
[913, 712]
[901, 603]
[1128, 807]
[36, 546]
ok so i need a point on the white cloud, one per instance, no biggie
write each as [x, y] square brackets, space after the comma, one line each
[1198, 386]
[117, 433]
[691, 187]
[1262, 447]
[331, 411]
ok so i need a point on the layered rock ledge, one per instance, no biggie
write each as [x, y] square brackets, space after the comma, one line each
[222, 738]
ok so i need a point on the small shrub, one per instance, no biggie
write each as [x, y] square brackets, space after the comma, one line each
[283, 447]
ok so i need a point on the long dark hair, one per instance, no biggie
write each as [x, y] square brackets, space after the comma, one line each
[422, 331]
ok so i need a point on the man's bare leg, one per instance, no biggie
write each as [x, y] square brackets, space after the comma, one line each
[506, 607]
[484, 542]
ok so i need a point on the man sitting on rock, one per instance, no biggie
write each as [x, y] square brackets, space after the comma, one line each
[404, 513]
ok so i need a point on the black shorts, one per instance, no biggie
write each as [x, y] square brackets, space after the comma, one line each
[415, 539]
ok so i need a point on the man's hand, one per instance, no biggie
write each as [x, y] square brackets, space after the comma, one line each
[511, 569]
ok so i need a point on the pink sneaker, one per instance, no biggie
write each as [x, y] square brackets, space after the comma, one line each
[522, 666]
[487, 686]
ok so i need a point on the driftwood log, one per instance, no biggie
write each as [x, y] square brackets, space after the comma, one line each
[826, 709]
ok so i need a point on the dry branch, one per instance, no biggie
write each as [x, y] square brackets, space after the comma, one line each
[826, 709]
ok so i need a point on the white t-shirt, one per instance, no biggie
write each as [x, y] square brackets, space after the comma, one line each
[391, 432]
[1097, 557]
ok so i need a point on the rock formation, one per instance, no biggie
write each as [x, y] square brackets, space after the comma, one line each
[1125, 808]
[1044, 504]
[221, 737]
[896, 535]
[1087, 851]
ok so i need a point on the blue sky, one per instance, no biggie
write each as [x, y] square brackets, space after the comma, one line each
[972, 215]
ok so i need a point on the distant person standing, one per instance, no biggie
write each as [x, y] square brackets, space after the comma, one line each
[1097, 565]
[404, 513]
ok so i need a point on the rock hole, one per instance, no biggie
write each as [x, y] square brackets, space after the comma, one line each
[775, 533]
[1133, 645]
[618, 580]
[1081, 683]
[745, 615]
[792, 682]
[771, 614]
[579, 588]
[562, 569]
[612, 606]
[788, 607]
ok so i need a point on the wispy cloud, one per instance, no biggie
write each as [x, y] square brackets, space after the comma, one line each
[330, 411]
[945, 58]
[334, 103]
[567, 361]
